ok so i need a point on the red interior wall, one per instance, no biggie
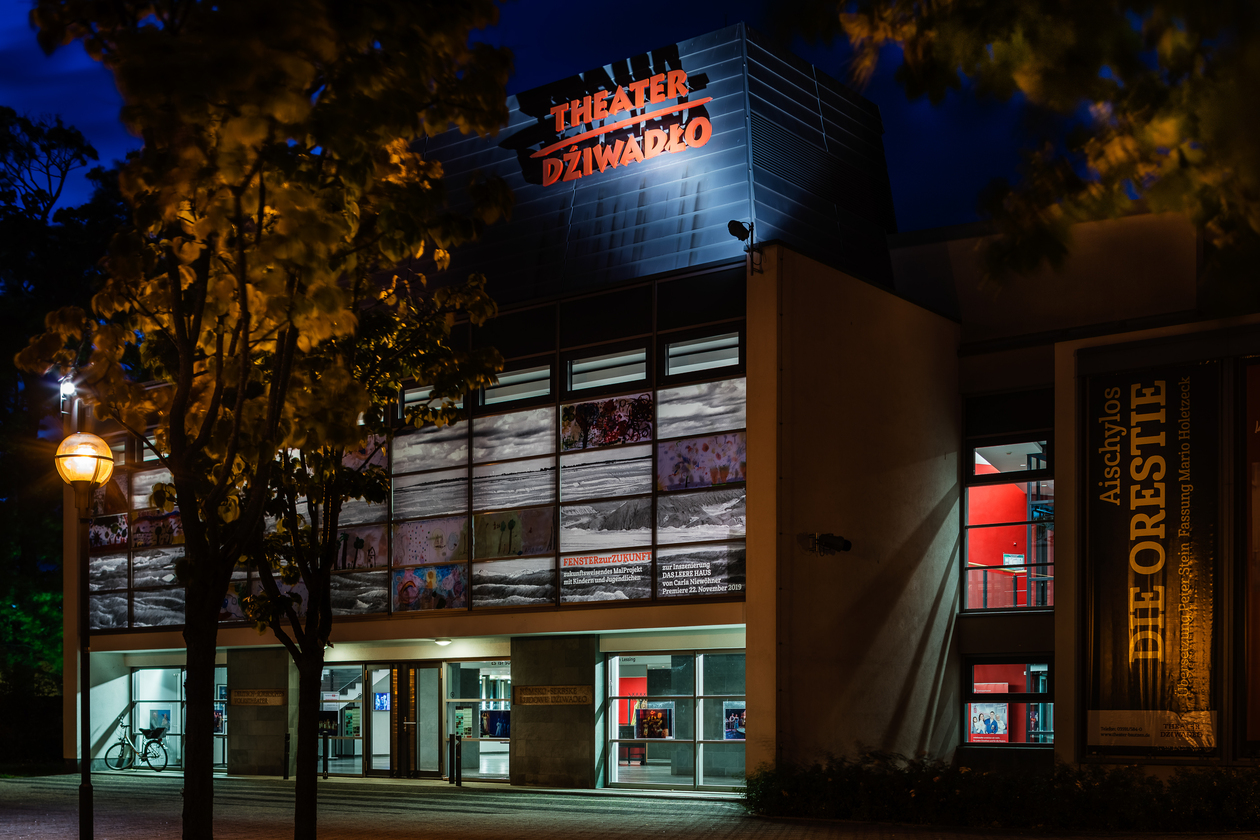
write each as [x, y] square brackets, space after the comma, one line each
[630, 687]
[1016, 683]
[997, 503]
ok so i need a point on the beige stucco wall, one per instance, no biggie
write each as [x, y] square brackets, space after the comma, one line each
[867, 439]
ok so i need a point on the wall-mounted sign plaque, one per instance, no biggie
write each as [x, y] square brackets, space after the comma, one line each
[553, 695]
[257, 697]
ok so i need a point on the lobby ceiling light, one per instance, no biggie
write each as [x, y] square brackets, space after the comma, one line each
[442, 642]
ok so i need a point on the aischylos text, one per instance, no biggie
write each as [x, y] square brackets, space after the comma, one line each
[578, 162]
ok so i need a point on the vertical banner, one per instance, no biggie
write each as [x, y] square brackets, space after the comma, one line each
[1152, 450]
[1251, 475]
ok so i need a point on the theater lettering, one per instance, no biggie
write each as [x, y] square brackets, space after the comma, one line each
[573, 157]
[1147, 509]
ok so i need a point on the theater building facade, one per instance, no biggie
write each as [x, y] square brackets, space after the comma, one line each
[762, 480]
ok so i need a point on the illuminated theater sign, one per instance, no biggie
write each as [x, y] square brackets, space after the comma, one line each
[594, 149]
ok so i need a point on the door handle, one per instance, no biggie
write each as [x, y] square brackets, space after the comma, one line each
[409, 723]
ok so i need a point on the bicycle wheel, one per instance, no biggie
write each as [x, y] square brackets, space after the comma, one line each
[155, 756]
[120, 756]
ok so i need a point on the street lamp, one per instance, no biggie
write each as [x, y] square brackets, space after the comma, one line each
[84, 462]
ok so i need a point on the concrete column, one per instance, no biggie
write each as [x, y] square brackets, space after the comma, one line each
[554, 746]
[256, 733]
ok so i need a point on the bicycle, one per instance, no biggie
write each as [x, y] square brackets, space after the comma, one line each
[123, 755]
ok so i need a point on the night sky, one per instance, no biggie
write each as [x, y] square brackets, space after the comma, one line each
[939, 158]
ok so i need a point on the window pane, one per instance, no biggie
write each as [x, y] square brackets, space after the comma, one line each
[530, 482]
[430, 448]
[722, 673]
[707, 515]
[608, 369]
[1010, 457]
[701, 462]
[516, 435]
[359, 593]
[664, 675]
[654, 763]
[723, 720]
[722, 764]
[1010, 678]
[520, 385]
[605, 525]
[108, 572]
[514, 533]
[999, 589]
[514, 583]
[430, 494]
[1010, 566]
[1010, 723]
[624, 471]
[1017, 502]
[701, 409]
[616, 576]
[707, 353]
[159, 607]
[428, 541]
[610, 422]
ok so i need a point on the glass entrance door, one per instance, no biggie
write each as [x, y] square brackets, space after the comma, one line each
[405, 723]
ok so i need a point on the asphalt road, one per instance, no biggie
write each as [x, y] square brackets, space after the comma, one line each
[147, 807]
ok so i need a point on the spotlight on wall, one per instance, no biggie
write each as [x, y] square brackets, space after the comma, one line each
[442, 642]
[744, 233]
[822, 544]
[739, 230]
[67, 387]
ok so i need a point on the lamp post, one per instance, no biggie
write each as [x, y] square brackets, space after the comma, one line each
[84, 462]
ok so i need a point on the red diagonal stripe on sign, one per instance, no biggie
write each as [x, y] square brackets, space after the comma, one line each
[595, 132]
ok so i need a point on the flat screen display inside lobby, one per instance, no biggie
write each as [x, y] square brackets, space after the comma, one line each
[1152, 452]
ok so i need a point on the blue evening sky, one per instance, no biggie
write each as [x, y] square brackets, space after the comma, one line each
[939, 158]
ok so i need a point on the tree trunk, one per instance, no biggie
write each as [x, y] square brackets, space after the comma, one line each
[200, 636]
[306, 793]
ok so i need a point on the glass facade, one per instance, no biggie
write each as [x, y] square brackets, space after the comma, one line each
[676, 719]
[1009, 702]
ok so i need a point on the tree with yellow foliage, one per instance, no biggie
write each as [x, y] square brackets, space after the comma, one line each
[279, 189]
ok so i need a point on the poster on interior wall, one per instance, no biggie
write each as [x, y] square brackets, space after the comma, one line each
[702, 409]
[615, 576]
[701, 462]
[365, 547]
[516, 435]
[601, 473]
[351, 720]
[602, 525]
[1251, 475]
[496, 723]
[700, 570]
[514, 533]
[988, 723]
[463, 722]
[654, 719]
[427, 541]
[359, 593]
[516, 483]
[220, 719]
[430, 588]
[153, 527]
[160, 719]
[108, 532]
[609, 422]
[734, 717]
[1152, 451]
[514, 583]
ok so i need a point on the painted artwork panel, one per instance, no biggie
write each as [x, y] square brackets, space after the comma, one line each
[231, 609]
[360, 512]
[617, 576]
[707, 515]
[154, 566]
[701, 462]
[587, 425]
[514, 583]
[517, 435]
[108, 532]
[158, 607]
[107, 612]
[299, 589]
[365, 547]
[142, 486]
[431, 494]
[701, 409]
[429, 588]
[599, 525]
[514, 533]
[153, 527]
[108, 571]
[516, 483]
[602, 473]
[360, 593]
[431, 448]
[112, 496]
[374, 452]
[431, 541]
[701, 570]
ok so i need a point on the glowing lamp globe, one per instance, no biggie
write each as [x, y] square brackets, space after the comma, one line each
[84, 457]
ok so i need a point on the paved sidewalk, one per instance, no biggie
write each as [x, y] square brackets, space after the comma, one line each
[147, 807]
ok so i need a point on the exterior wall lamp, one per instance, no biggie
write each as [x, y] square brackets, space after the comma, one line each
[85, 462]
[744, 233]
[825, 543]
